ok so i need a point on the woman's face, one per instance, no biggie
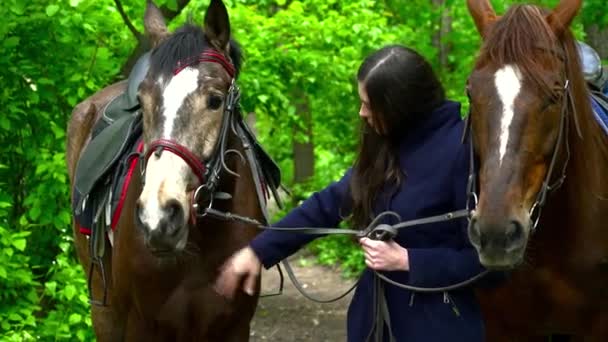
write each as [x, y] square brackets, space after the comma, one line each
[365, 112]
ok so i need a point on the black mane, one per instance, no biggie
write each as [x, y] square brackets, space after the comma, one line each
[187, 42]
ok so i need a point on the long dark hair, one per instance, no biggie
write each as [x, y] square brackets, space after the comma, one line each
[402, 90]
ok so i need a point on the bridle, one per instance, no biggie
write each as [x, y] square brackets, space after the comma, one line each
[207, 172]
[562, 141]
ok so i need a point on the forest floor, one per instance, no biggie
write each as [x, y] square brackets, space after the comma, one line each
[292, 318]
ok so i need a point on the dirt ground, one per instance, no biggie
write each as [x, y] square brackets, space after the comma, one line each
[291, 317]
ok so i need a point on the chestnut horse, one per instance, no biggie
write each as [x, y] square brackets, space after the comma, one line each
[162, 264]
[535, 138]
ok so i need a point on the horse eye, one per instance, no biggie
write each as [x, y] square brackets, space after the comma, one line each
[214, 102]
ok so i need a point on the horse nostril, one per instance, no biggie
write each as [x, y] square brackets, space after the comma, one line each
[173, 211]
[474, 232]
[515, 234]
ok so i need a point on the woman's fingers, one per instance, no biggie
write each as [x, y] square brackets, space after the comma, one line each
[227, 281]
[243, 263]
[250, 283]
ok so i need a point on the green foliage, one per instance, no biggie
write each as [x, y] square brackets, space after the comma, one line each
[300, 56]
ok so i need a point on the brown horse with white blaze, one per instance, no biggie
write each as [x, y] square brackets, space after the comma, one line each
[535, 139]
[163, 263]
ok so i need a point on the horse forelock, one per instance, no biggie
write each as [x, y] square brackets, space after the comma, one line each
[185, 43]
[517, 38]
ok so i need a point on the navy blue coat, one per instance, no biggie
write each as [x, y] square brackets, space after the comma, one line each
[436, 165]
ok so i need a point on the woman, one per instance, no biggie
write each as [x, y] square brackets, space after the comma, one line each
[410, 161]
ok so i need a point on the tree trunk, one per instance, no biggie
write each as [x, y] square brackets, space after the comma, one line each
[303, 147]
[598, 39]
[444, 27]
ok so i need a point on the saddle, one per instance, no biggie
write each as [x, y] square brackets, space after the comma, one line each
[102, 168]
[105, 168]
[599, 103]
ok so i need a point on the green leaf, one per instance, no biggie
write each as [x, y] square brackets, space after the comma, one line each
[171, 4]
[34, 213]
[74, 318]
[51, 10]
[51, 286]
[75, 3]
[69, 292]
[11, 42]
[19, 244]
[263, 98]
[18, 7]
[2, 272]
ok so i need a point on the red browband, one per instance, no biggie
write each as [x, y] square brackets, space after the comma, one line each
[210, 56]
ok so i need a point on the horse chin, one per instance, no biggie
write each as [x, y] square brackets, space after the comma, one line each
[168, 250]
[501, 260]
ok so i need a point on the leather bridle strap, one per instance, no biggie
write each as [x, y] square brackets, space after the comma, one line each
[181, 151]
[211, 56]
[546, 186]
[541, 198]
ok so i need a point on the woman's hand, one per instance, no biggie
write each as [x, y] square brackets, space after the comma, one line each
[242, 264]
[385, 255]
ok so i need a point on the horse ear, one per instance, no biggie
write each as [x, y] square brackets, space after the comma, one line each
[154, 24]
[561, 17]
[483, 15]
[217, 25]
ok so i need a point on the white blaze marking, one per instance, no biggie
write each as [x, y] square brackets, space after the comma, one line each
[164, 174]
[179, 87]
[508, 85]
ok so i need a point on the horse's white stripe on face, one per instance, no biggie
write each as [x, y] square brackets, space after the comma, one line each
[163, 183]
[179, 87]
[508, 85]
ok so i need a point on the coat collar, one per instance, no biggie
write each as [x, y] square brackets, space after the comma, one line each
[447, 114]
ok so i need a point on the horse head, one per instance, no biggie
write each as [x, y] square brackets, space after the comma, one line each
[524, 85]
[184, 99]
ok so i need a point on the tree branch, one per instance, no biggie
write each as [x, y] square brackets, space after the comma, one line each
[128, 22]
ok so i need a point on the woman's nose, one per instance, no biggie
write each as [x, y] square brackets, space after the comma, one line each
[363, 112]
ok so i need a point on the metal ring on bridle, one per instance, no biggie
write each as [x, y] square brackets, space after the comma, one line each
[195, 200]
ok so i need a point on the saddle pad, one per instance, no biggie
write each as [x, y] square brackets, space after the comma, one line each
[600, 110]
[120, 180]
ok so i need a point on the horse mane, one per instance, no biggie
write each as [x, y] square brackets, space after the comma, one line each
[518, 37]
[185, 43]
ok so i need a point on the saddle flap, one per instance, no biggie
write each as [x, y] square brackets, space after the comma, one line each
[100, 155]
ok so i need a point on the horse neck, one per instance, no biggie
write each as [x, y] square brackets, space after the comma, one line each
[589, 150]
[587, 174]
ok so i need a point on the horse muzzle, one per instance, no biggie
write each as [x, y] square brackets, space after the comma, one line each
[167, 231]
[500, 245]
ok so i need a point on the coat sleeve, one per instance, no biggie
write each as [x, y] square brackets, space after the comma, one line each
[433, 267]
[325, 208]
